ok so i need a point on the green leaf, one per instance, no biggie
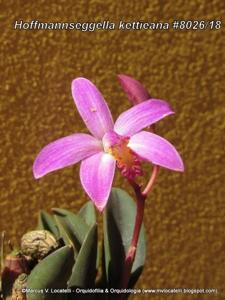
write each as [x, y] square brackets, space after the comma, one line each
[72, 227]
[46, 222]
[87, 212]
[84, 271]
[52, 272]
[119, 219]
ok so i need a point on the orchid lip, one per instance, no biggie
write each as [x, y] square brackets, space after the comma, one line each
[127, 161]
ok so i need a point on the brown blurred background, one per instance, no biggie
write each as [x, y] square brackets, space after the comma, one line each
[185, 215]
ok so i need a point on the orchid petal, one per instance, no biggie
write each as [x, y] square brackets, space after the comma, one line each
[134, 89]
[141, 116]
[96, 175]
[157, 150]
[65, 152]
[92, 107]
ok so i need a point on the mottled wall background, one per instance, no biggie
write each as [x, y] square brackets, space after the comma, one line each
[185, 217]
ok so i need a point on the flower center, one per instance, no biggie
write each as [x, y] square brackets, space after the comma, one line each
[127, 161]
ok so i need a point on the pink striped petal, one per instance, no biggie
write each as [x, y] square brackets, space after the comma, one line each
[141, 116]
[92, 107]
[65, 152]
[96, 175]
[157, 150]
[134, 89]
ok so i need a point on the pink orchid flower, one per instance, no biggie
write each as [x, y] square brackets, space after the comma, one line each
[124, 143]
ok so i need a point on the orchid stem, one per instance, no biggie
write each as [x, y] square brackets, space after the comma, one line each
[151, 181]
[141, 196]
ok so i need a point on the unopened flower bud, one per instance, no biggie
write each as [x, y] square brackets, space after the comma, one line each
[135, 91]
